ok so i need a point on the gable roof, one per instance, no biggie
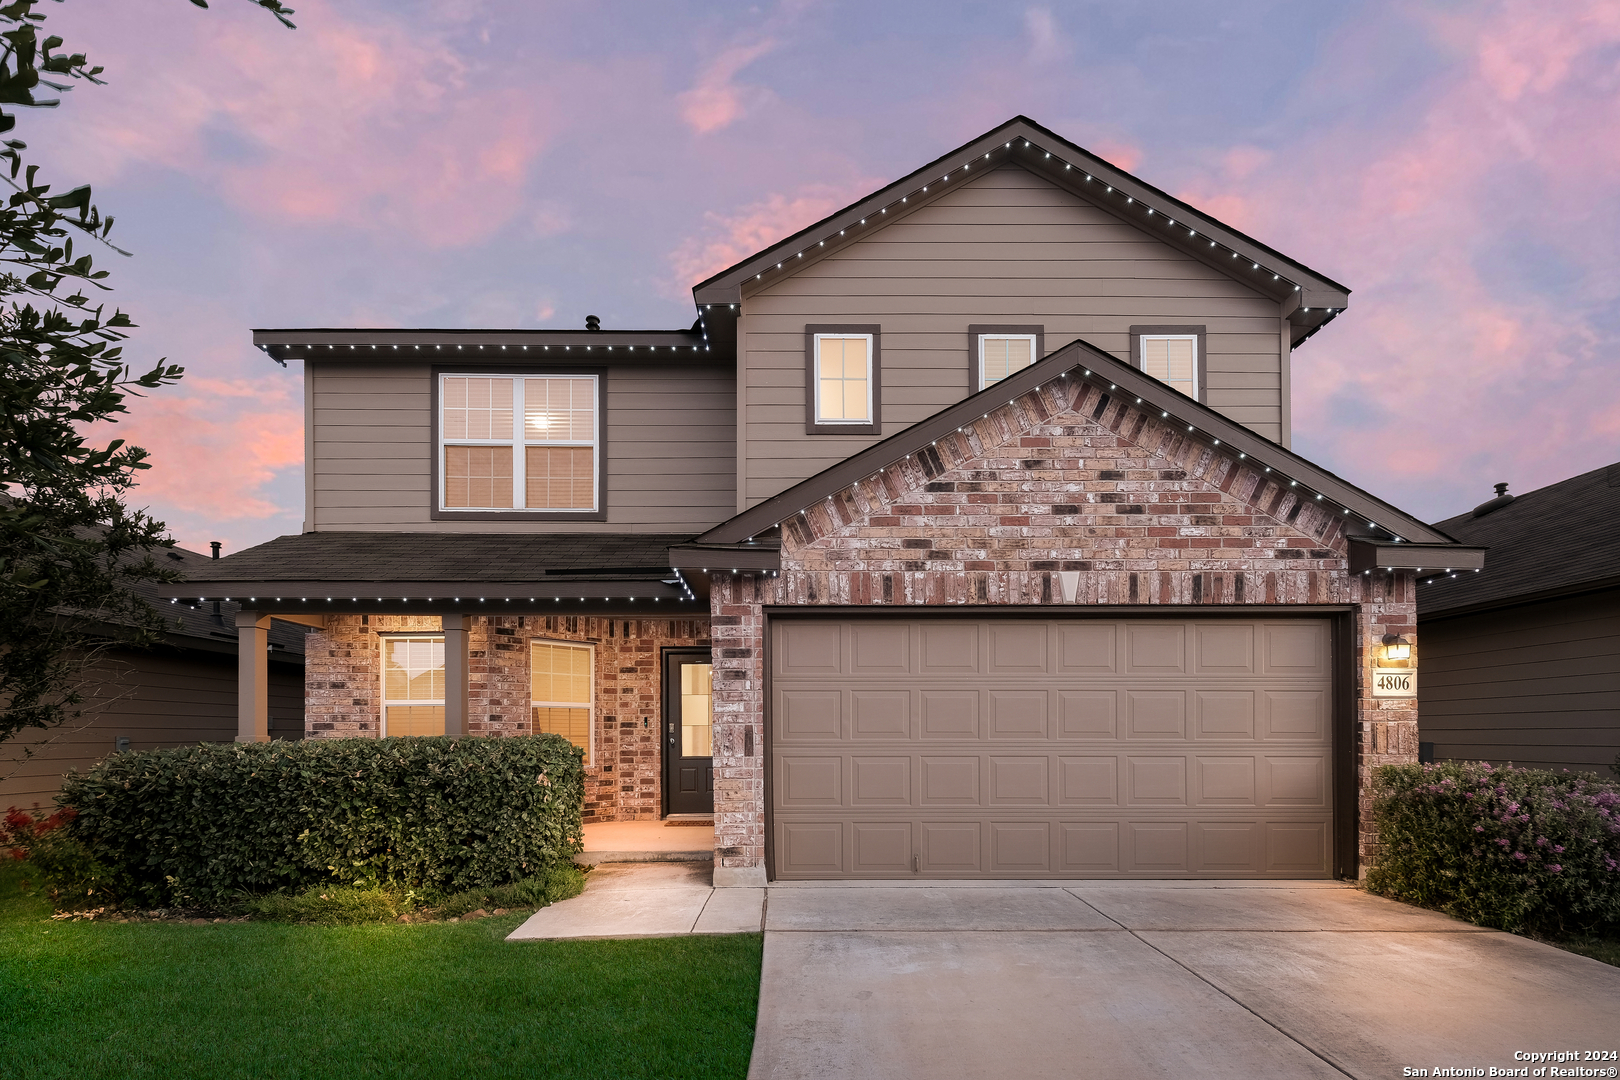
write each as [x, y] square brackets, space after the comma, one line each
[1387, 527]
[1554, 540]
[1310, 299]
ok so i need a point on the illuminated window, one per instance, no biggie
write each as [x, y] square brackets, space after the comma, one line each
[560, 691]
[413, 685]
[528, 444]
[843, 378]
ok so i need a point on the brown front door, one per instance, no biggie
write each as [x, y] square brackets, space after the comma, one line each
[688, 732]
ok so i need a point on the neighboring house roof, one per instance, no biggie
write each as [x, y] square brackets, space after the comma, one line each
[1317, 298]
[195, 625]
[1386, 529]
[394, 565]
[1552, 541]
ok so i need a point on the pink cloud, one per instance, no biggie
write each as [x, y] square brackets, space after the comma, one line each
[728, 239]
[1447, 370]
[715, 101]
[373, 124]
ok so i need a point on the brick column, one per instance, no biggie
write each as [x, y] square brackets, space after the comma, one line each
[737, 626]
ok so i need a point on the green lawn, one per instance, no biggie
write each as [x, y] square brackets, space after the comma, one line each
[268, 1000]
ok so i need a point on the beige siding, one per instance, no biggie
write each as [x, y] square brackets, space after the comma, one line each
[1535, 685]
[671, 450]
[168, 698]
[1008, 247]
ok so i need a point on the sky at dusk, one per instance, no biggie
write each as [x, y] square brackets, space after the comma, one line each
[496, 163]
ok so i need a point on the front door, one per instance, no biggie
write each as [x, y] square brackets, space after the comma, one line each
[688, 732]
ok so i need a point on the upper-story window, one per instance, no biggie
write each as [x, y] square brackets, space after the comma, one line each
[519, 443]
[841, 372]
[843, 378]
[1172, 354]
[996, 352]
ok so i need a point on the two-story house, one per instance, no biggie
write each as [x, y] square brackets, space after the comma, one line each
[959, 536]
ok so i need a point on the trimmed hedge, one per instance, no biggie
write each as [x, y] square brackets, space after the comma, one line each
[203, 824]
[1517, 849]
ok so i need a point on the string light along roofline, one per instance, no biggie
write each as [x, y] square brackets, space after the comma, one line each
[1009, 149]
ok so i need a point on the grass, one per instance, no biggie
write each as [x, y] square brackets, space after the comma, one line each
[274, 1000]
[1604, 947]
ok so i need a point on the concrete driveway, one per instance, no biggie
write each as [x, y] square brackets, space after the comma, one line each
[1164, 979]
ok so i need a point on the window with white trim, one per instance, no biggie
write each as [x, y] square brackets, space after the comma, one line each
[843, 378]
[1002, 354]
[525, 443]
[561, 681]
[412, 684]
[1172, 359]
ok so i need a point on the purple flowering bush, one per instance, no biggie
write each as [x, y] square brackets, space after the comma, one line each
[1517, 849]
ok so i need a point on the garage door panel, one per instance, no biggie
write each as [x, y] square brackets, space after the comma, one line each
[1020, 847]
[880, 648]
[806, 781]
[1220, 847]
[1224, 648]
[1156, 847]
[1155, 714]
[950, 781]
[1051, 748]
[1297, 847]
[1300, 715]
[1295, 781]
[880, 781]
[1224, 714]
[1018, 648]
[809, 715]
[1159, 780]
[951, 847]
[1088, 847]
[1091, 780]
[882, 847]
[1296, 648]
[809, 648]
[1088, 714]
[1155, 648]
[1227, 780]
[1019, 714]
[880, 714]
[1019, 781]
[810, 849]
[1087, 649]
[949, 648]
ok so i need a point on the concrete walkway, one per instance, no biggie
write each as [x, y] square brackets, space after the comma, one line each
[944, 980]
[647, 899]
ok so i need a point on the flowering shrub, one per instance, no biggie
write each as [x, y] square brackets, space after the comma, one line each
[22, 830]
[200, 825]
[1517, 849]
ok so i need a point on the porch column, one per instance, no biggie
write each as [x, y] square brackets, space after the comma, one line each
[252, 677]
[455, 672]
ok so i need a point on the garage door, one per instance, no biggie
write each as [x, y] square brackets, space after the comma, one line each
[1072, 748]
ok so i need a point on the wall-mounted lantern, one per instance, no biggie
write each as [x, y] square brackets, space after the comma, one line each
[1395, 682]
[1397, 647]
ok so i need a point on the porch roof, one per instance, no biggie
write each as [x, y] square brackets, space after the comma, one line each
[481, 570]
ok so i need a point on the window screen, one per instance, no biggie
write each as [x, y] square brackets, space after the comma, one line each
[843, 379]
[1172, 359]
[413, 685]
[560, 691]
[519, 443]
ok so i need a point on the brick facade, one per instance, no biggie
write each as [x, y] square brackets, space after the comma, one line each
[343, 690]
[1070, 482]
